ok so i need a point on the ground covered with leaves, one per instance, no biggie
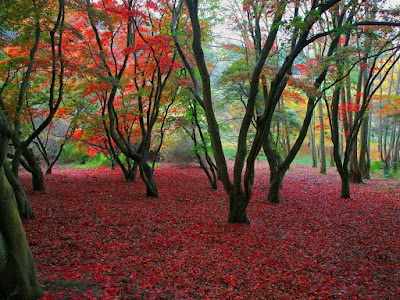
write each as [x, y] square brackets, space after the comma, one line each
[97, 236]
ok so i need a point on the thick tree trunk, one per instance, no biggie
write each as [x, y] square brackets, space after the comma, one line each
[146, 173]
[17, 268]
[132, 173]
[24, 207]
[275, 187]
[345, 191]
[355, 172]
[237, 209]
[37, 174]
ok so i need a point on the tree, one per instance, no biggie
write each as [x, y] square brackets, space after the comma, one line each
[239, 191]
[383, 58]
[386, 110]
[17, 268]
[321, 138]
[16, 108]
[135, 59]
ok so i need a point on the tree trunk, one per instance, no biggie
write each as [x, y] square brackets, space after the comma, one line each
[312, 144]
[342, 167]
[237, 209]
[345, 191]
[364, 148]
[396, 153]
[37, 174]
[24, 207]
[275, 187]
[17, 268]
[341, 142]
[146, 173]
[355, 172]
[322, 139]
[132, 173]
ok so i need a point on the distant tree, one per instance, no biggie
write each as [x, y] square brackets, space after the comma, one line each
[131, 55]
[386, 111]
[383, 57]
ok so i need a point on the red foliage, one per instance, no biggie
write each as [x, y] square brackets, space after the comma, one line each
[109, 241]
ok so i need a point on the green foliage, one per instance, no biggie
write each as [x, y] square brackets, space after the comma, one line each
[230, 153]
[377, 169]
[73, 155]
[376, 166]
[303, 160]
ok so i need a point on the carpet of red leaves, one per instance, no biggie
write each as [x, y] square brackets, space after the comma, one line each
[97, 236]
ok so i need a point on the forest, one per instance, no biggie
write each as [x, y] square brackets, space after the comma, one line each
[186, 149]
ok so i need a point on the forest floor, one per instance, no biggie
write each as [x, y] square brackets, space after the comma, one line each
[97, 236]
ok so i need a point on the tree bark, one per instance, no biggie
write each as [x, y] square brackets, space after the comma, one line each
[237, 209]
[17, 268]
[132, 172]
[355, 172]
[365, 149]
[275, 187]
[147, 175]
[395, 160]
[24, 207]
[322, 169]
[345, 191]
[312, 142]
[37, 173]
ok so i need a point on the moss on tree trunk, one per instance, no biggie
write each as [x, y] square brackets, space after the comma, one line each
[17, 268]
[24, 207]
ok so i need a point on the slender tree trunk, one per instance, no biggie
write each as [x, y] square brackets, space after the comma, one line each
[322, 139]
[342, 167]
[364, 148]
[331, 158]
[17, 268]
[396, 153]
[341, 141]
[37, 174]
[51, 165]
[312, 143]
